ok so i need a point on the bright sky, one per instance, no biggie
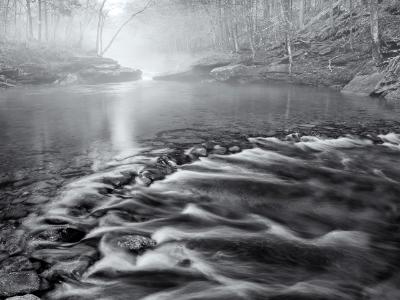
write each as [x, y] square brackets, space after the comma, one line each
[115, 6]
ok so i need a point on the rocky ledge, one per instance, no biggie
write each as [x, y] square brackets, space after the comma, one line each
[77, 69]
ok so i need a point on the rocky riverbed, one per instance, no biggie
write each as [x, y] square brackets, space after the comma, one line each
[29, 259]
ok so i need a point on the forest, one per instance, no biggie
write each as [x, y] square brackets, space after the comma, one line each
[361, 30]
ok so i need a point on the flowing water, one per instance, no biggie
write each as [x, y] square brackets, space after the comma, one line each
[308, 209]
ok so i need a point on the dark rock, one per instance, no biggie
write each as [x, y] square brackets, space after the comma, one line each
[185, 263]
[119, 181]
[16, 283]
[136, 243]
[197, 151]
[167, 164]
[64, 234]
[16, 212]
[15, 264]
[147, 176]
[209, 145]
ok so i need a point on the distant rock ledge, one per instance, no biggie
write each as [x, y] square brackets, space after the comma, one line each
[76, 69]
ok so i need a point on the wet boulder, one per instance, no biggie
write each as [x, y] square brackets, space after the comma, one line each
[64, 234]
[219, 150]
[234, 149]
[197, 151]
[135, 243]
[17, 283]
[167, 163]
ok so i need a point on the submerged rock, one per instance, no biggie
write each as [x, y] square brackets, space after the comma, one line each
[136, 243]
[16, 283]
[72, 269]
[234, 149]
[219, 150]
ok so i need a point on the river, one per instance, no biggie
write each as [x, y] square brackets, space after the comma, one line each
[303, 205]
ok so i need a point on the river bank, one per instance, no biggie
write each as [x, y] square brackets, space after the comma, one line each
[323, 55]
[35, 64]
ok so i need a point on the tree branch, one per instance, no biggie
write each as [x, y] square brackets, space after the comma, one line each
[123, 25]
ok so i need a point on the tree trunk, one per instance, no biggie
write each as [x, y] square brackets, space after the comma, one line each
[29, 16]
[351, 23]
[46, 22]
[40, 20]
[286, 12]
[15, 18]
[99, 27]
[302, 13]
[375, 34]
[6, 18]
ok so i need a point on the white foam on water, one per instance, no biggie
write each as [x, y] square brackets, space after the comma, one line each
[113, 260]
[390, 138]
[344, 238]
[319, 144]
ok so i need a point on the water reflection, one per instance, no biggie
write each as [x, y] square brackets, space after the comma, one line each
[103, 121]
[121, 127]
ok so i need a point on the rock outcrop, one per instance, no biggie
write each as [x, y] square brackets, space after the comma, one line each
[364, 85]
[64, 69]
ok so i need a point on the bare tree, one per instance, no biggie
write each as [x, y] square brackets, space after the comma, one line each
[118, 31]
[375, 33]
[29, 16]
